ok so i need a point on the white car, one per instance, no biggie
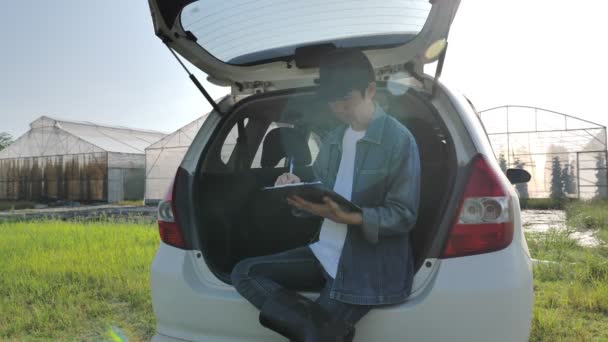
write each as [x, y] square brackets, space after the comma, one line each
[474, 273]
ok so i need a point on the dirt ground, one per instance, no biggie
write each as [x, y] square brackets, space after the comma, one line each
[540, 221]
[82, 212]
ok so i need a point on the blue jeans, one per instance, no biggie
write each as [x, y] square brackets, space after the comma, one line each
[297, 270]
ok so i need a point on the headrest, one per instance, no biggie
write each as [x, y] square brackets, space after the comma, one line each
[285, 142]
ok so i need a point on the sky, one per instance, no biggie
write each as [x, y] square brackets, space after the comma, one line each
[100, 61]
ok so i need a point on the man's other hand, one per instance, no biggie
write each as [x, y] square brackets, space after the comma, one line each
[328, 209]
[287, 178]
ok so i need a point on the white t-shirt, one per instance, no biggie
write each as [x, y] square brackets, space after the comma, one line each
[331, 239]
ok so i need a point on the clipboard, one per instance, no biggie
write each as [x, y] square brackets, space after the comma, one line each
[312, 192]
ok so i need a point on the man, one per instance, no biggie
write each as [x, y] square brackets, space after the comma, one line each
[362, 259]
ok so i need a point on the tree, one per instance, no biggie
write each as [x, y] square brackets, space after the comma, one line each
[5, 140]
[552, 169]
[522, 188]
[573, 179]
[567, 180]
[557, 185]
[601, 176]
[502, 162]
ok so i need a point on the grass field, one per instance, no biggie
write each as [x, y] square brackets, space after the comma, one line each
[90, 281]
[571, 289]
[544, 203]
[137, 203]
[74, 281]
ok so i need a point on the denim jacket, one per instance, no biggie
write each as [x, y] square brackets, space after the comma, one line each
[376, 265]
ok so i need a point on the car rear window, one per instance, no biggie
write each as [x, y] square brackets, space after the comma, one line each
[247, 31]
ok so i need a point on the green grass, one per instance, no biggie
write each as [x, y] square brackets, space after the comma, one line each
[75, 281]
[133, 203]
[544, 203]
[16, 205]
[588, 215]
[571, 290]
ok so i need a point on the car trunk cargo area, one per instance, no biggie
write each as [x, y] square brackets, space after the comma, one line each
[235, 219]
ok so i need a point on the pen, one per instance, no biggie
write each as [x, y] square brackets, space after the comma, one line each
[291, 165]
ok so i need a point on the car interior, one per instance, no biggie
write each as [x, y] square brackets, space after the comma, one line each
[238, 219]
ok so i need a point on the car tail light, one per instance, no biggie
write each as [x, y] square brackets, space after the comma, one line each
[485, 221]
[168, 225]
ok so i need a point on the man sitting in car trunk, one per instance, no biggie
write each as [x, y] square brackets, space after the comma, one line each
[362, 259]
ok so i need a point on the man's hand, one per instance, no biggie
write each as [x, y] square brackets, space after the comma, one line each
[328, 209]
[287, 178]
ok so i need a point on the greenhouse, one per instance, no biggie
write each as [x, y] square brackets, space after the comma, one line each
[565, 155]
[164, 157]
[78, 161]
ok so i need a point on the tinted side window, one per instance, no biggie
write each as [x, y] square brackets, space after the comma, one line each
[229, 144]
[313, 145]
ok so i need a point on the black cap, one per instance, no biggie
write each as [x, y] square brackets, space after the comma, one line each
[343, 70]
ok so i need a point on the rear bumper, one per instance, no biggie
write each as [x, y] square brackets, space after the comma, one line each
[190, 306]
[476, 298]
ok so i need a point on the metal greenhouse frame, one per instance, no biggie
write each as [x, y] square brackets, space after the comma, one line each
[544, 142]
